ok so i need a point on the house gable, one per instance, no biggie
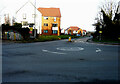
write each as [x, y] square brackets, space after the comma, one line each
[73, 30]
[26, 14]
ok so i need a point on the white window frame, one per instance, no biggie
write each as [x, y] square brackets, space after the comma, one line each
[34, 15]
[24, 22]
[55, 19]
[24, 15]
[45, 18]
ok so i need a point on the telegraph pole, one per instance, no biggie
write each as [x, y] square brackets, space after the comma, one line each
[35, 20]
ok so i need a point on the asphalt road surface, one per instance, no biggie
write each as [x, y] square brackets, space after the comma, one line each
[59, 61]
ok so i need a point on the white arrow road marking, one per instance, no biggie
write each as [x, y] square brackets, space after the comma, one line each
[98, 50]
[52, 52]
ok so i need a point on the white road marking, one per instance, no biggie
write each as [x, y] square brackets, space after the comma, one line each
[98, 50]
[52, 52]
[45, 50]
[70, 48]
[79, 41]
[81, 48]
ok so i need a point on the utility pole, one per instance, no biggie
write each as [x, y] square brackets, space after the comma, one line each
[35, 20]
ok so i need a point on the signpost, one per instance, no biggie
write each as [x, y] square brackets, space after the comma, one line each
[100, 32]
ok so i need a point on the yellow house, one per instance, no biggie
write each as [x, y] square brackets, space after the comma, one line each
[51, 18]
[80, 31]
[74, 30]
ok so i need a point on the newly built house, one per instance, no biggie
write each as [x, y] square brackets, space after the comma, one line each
[51, 18]
[45, 20]
[74, 30]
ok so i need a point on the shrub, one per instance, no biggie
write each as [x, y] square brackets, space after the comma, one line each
[47, 38]
[17, 27]
[67, 36]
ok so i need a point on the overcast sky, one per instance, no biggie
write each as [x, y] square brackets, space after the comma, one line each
[79, 13]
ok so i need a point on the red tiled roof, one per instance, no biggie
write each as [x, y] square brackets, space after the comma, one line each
[74, 28]
[53, 12]
[84, 30]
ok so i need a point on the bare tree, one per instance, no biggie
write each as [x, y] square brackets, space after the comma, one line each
[106, 21]
[7, 19]
[109, 7]
[13, 20]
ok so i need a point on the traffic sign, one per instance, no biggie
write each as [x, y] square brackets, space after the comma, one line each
[100, 32]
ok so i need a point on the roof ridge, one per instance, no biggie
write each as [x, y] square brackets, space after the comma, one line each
[24, 5]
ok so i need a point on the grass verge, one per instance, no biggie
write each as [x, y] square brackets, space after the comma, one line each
[44, 38]
[106, 40]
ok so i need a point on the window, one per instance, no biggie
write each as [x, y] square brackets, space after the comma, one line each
[24, 15]
[25, 23]
[45, 24]
[34, 15]
[45, 31]
[54, 25]
[54, 31]
[45, 18]
[31, 24]
[70, 32]
[83, 33]
[54, 19]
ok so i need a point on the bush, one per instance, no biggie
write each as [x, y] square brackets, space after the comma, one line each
[46, 38]
[67, 36]
[25, 33]
[17, 27]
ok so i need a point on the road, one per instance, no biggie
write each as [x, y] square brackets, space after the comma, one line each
[59, 61]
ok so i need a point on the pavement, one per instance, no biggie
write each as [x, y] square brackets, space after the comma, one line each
[59, 61]
[89, 39]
